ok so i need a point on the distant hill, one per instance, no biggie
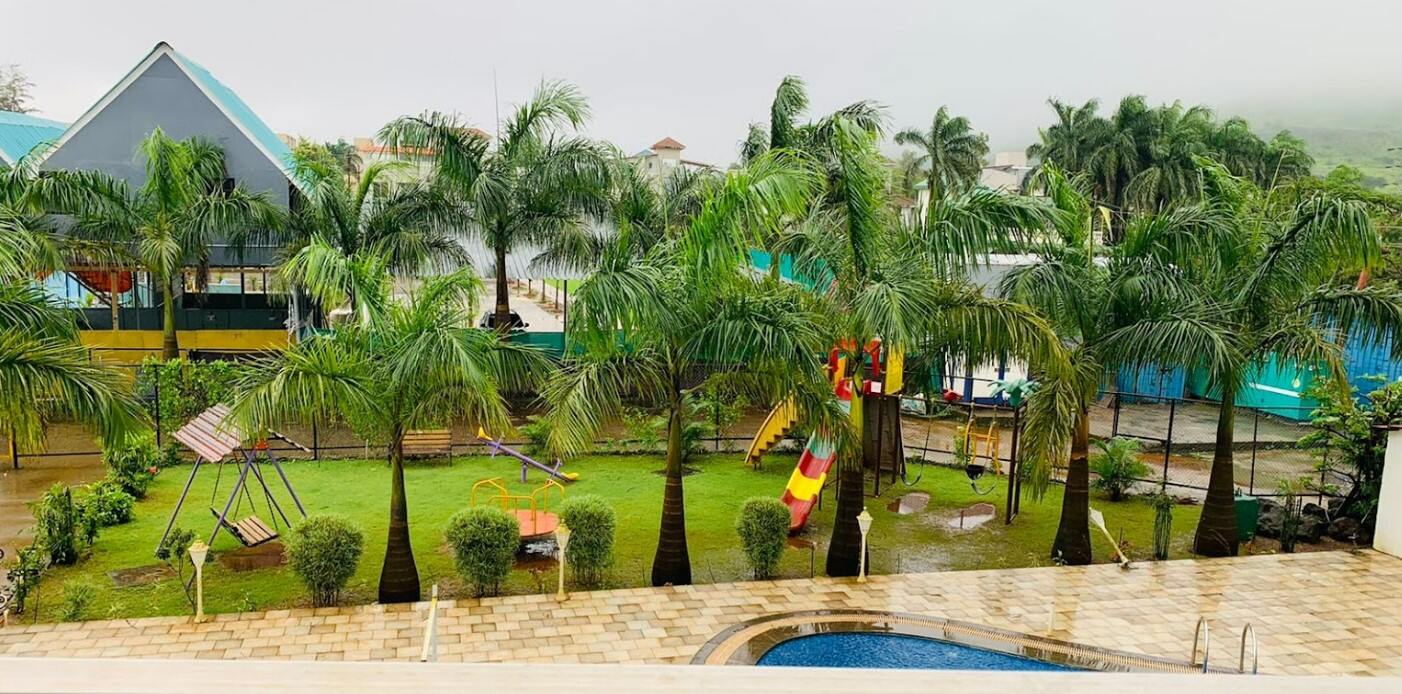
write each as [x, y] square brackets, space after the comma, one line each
[1365, 149]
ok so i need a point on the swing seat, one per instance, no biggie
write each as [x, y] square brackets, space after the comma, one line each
[251, 531]
[974, 471]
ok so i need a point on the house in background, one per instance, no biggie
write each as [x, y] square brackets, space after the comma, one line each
[1006, 173]
[237, 310]
[665, 156]
[20, 133]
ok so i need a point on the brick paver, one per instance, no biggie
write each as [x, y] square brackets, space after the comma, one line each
[1315, 613]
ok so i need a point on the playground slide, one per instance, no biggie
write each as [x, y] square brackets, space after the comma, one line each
[801, 494]
[526, 461]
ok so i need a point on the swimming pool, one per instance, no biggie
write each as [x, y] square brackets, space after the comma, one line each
[876, 650]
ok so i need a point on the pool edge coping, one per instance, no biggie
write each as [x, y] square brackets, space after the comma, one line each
[745, 643]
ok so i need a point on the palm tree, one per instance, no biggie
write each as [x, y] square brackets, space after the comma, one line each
[951, 152]
[1072, 139]
[45, 372]
[408, 366]
[172, 220]
[653, 321]
[785, 132]
[900, 285]
[536, 181]
[1281, 282]
[344, 236]
[1127, 308]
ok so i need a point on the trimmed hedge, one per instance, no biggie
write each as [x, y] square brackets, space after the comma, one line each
[484, 542]
[324, 551]
[590, 552]
[763, 526]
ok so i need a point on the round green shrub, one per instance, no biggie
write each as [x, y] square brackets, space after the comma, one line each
[324, 551]
[1117, 467]
[107, 504]
[590, 551]
[763, 526]
[484, 542]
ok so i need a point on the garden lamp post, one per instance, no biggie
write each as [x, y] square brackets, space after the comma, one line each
[863, 522]
[198, 551]
[562, 540]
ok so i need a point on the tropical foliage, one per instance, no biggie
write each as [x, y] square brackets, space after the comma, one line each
[654, 323]
[1121, 307]
[950, 152]
[414, 364]
[172, 221]
[1142, 158]
[1280, 275]
[536, 182]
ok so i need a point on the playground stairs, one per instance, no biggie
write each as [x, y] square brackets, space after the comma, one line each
[777, 425]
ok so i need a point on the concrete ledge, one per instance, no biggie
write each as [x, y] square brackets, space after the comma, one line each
[50, 675]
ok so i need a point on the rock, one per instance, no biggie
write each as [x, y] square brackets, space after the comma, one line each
[1344, 529]
[1312, 528]
[1315, 511]
[1335, 505]
[1267, 505]
[1268, 523]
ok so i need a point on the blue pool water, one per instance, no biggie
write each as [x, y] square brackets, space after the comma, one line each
[864, 649]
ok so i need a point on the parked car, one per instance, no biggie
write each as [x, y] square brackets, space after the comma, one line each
[489, 320]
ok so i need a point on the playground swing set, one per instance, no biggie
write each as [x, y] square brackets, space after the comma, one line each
[213, 440]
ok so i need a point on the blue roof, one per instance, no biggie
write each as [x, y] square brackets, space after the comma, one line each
[240, 112]
[20, 133]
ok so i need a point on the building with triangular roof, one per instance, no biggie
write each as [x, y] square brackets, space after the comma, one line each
[235, 309]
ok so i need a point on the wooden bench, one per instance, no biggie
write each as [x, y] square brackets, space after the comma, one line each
[428, 443]
[251, 531]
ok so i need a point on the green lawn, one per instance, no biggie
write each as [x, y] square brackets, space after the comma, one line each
[359, 490]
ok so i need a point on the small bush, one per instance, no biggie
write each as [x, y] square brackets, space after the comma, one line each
[763, 526]
[174, 552]
[107, 504]
[1117, 466]
[1163, 524]
[590, 552]
[25, 575]
[484, 542]
[324, 551]
[131, 465]
[77, 595]
[60, 526]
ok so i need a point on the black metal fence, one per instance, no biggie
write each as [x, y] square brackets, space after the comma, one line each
[1177, 437]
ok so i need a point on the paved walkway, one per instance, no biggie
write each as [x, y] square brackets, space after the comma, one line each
[1316, 613]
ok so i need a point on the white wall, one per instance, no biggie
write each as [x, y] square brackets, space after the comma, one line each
[1388, 536]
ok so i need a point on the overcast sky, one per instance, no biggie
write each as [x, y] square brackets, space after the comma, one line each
[701, 71]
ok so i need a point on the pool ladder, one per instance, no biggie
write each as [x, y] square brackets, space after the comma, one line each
[1202, 635]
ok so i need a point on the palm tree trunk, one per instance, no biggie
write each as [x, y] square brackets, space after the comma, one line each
[503, 308]
[1216, 535]
[399, 578]
[845, 548]
[672, 564]
[1072, 544]
[170, 345]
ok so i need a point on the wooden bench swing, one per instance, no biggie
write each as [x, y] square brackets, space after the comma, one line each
[213, 439]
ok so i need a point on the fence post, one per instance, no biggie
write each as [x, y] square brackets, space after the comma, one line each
[14, 449]
[1012, 469]
[316, 449]
[1115, 419]
[1255, 436]
[1168, 442]
[156, 384]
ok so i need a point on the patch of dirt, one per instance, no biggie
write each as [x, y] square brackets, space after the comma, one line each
[264, 556]
[140, 575]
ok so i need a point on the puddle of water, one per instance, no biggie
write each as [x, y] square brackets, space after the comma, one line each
[907, 504]
[972, 517]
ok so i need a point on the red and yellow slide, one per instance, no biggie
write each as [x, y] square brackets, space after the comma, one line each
[801, 494]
